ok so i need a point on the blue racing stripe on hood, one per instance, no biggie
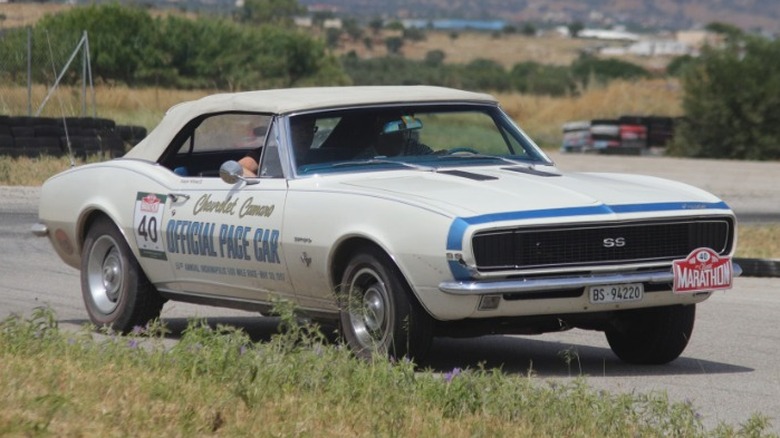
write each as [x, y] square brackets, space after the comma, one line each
[460, 224]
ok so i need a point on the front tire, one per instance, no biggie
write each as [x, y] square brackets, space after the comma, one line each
[379, 314]
[652, 336]
[115, 289]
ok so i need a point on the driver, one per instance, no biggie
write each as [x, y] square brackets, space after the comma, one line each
[302, 131]
[396, 138]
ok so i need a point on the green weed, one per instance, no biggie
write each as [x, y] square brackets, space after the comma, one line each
[217, 381]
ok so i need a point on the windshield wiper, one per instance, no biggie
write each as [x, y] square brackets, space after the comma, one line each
[470, 155]
[372, 161]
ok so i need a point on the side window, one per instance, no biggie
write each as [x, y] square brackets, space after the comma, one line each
[230, 131]
[216, 139]
[271, 164]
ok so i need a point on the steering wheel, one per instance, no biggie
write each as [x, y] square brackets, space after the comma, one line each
[463, 150]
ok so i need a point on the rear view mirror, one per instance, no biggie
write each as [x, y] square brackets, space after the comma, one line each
[405, 123]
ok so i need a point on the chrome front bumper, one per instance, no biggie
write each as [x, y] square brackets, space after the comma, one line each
[558, 283]
[39, 229]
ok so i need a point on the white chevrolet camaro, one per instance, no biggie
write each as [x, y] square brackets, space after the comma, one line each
[400, 213]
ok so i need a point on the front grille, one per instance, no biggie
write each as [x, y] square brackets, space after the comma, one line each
[534, 248]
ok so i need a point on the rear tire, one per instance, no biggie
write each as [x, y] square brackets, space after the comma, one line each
[379, 314]
[115, 289]
[652, 336]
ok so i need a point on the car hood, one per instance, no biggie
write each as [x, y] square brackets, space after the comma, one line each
[483, 190]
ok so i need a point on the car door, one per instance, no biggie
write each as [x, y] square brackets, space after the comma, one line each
[223, 240]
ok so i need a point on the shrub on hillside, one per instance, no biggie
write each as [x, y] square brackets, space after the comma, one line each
[130, 46]
[587, 69]
[731, 103]
[542, 79]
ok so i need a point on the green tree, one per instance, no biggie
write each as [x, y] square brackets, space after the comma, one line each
[414, 34]
[128, 45]
[332, 37]
[529, 29]
[395, 25]
[319, 17]
[732, 103]
[678, 65]
[353, 29]
[485, 74]
[575, 28]
[435, 58]
[394, 44]
[376, 25]
[121, 39]
[589, 68]
[541, 79]
[732, 33]
[270, 11]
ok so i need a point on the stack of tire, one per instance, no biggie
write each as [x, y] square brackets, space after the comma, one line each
[626, 135]
[84, 136]
[660, 130]
[605, 135]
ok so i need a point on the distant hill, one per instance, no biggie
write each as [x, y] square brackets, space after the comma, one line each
[651, 14]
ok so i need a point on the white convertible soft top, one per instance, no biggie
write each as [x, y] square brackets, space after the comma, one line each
[290, 100]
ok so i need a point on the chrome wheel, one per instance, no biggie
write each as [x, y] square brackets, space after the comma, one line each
[104, 274]
[369, 308]
[115, 289]
[379, 313]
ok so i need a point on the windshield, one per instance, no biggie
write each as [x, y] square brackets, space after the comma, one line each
[420, 137]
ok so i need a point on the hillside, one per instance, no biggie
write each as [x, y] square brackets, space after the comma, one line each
[636, 14]
[653, 14]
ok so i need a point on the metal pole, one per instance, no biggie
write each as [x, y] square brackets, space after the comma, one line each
[84, 77]
[89, 72]
[29, 71]
[59, 78]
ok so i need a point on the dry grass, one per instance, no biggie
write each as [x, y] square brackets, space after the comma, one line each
[26, 14]
[507, 50]
[542, 116]
[128, 106]
[759, 241]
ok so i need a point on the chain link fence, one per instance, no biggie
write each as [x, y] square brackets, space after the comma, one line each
[30, 64]
[46, 97]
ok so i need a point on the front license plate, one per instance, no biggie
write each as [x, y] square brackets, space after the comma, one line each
[616, 293]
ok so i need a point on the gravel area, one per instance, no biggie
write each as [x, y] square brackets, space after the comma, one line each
[17, 199]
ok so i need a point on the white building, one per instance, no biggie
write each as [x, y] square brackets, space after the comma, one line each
[606, 34]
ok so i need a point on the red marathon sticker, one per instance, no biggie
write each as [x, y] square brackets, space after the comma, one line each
[150, 203]
[703, 270]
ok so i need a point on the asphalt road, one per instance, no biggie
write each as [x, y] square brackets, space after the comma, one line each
[730, 370]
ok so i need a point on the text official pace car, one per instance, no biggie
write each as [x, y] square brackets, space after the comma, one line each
[400, 213]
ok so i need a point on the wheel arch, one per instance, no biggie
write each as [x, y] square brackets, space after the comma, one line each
[87, 218]
[346, 249]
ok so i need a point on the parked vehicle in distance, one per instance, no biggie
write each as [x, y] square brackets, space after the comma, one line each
[626, 135]
[399, 213]
[576, 136]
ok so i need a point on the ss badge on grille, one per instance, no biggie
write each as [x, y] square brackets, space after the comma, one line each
[616, 242]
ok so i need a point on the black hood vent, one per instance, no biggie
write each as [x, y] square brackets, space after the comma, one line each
[469, 175]
[530, 171]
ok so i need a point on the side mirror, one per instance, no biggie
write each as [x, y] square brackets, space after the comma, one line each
[231, 172]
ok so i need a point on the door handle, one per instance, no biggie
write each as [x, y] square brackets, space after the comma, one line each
[176, 196]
